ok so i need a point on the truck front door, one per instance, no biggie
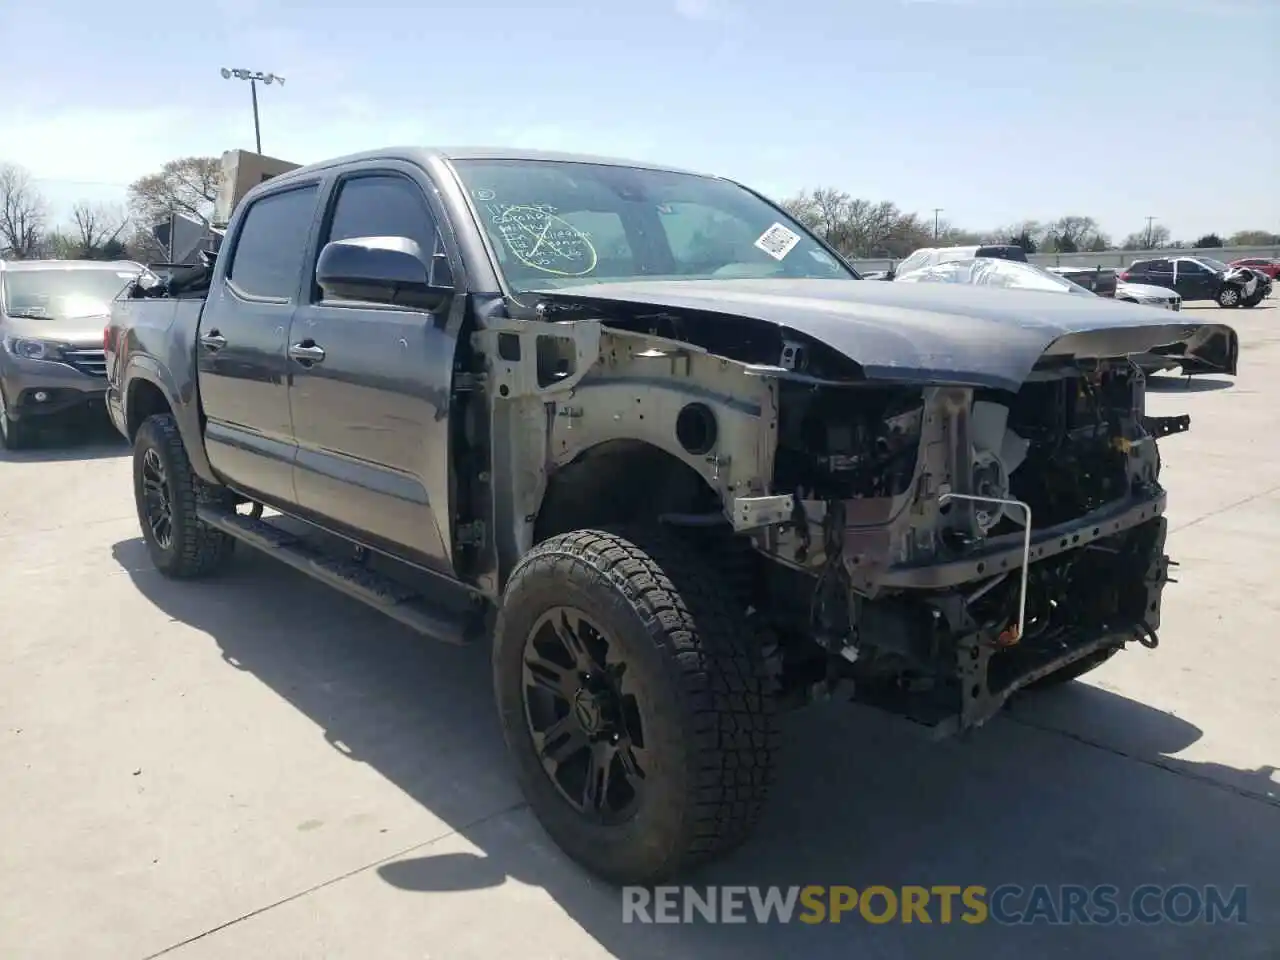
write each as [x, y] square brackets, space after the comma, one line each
[240, 347]
[371, 384]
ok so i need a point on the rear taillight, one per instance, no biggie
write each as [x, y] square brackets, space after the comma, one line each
[1123, 275]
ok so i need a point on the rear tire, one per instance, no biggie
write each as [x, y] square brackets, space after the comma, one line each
[166, 492]
[683, 774]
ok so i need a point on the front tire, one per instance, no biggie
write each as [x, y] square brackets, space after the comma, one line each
[635, 703]
[1228, 297]
[14, 434]
[166, 492]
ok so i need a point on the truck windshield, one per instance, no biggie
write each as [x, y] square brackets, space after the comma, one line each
[61, 293]
[557, 223]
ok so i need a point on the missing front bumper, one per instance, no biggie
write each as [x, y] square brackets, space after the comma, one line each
[1114, 599]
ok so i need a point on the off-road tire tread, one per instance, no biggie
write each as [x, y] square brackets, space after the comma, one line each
[715, 659]
[205, 550]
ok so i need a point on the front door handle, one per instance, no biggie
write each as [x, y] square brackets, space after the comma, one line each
[306, 352]
[213, 341]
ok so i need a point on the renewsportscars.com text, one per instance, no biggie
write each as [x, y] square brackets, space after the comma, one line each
[1008, 904]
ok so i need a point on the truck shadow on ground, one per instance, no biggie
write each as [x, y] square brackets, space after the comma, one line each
[1073, 785]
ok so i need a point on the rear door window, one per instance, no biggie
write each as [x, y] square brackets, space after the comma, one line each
[267, 261]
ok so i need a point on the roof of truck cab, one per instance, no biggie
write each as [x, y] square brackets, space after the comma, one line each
[420, 156]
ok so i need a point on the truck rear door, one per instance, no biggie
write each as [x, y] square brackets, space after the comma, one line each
[240, 346]
[371, 383]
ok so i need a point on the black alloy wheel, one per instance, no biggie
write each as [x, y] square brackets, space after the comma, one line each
[635, 700]
[167, 494]
[584, 717]
[157, 499]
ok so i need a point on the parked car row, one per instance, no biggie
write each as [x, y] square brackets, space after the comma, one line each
[1215, 355]
[1267, 265]
[1202, 278]
[1242, 283]
[932, 256]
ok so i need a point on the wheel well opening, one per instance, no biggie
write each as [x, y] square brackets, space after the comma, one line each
[145, 400]
[620, 481]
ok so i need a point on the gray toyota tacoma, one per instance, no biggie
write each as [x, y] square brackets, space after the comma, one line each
[660, 446]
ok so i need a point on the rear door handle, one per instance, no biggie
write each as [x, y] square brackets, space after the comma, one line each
[306, 352]
[213, 341]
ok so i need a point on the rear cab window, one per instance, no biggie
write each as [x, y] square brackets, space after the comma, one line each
[266, 263]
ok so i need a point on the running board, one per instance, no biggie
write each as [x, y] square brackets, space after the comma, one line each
[398, 601]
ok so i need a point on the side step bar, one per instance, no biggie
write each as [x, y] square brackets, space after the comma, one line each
[396, 600]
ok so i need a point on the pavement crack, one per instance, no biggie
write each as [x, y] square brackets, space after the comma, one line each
[1160, 763]
[336, 879]
[1227, 508]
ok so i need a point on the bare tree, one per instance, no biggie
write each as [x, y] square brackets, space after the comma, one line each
[1072, 234]
[186, 185]
[953, 236]
[98, 229]
[1149, 238]
[1254, 238]
[859, 228]
[1028, 234]
[23, 213]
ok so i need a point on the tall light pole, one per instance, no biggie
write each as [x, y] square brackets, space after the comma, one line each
[936, 211]
[1150, 221]
[253, 76]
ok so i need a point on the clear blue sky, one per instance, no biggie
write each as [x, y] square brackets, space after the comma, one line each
[995, 110]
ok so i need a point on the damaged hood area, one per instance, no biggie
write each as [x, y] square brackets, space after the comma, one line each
[921, 333]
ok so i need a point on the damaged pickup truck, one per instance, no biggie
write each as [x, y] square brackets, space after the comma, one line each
[662, 445]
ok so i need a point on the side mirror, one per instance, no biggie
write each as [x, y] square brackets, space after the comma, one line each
[390, 270]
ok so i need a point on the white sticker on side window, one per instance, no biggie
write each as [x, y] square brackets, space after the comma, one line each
[777, 241]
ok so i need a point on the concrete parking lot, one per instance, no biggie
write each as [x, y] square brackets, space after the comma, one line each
[257, 767]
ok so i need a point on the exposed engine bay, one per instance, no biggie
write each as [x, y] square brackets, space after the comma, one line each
[929, 508]
[912, 505]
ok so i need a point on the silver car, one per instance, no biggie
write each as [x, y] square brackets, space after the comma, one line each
[1147, 293]
[52, 315]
